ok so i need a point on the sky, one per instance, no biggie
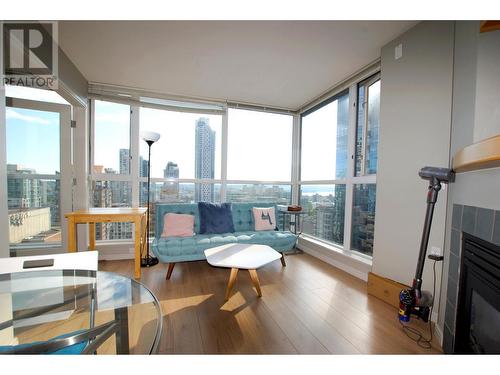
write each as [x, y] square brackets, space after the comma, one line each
[319, 144]
[33, 139]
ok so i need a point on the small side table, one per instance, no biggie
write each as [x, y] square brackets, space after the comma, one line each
[295, 223]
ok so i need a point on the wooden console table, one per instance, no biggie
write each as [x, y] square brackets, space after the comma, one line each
[91, 216]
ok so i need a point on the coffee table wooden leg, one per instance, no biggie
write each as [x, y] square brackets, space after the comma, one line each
[255, 281]
[232, 279]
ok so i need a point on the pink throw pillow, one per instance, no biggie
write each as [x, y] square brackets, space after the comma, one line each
[178, 225]
[264, 218]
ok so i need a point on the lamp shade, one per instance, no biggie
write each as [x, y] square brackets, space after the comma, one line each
[150, 136]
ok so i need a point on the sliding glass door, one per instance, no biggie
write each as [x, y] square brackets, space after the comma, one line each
[39, 183]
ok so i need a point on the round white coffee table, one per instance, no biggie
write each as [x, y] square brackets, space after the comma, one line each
[242, 256]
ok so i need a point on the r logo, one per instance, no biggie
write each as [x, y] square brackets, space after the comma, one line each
[30, 50]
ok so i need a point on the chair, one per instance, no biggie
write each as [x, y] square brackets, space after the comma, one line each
[85, 260]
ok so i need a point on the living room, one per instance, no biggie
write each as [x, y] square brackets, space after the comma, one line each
[250, 186]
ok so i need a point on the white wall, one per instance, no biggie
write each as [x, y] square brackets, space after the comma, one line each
[415, 118]
[487, 110]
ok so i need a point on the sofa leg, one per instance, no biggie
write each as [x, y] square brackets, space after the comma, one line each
[170, 269]
[283, 263]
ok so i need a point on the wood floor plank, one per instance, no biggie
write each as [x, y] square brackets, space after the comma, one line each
[307, 307]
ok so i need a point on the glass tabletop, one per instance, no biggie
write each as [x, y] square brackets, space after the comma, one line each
[107, 312]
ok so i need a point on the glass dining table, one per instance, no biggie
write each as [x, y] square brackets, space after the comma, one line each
[77, 312]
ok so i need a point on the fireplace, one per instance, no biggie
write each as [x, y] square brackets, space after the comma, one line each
[478, 306]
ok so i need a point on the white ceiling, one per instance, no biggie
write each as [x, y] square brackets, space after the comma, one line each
[274, 63]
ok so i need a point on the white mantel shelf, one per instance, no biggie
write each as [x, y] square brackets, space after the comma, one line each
[480, 155]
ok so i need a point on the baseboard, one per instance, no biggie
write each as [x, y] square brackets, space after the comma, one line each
[115, 256]
[385, 289]
[438, 333]
[334, 262]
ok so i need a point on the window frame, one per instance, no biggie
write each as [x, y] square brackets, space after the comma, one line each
[350, 180]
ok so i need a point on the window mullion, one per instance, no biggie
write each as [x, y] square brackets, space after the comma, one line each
[296, 159]
[351, 145]
[364, 131]
[134, 154]
[223, 171]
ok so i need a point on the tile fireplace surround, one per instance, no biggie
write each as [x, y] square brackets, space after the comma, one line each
[480, 222]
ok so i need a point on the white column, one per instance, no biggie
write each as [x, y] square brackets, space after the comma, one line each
[81, 199]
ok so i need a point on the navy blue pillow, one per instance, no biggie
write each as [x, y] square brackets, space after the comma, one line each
[215, 218]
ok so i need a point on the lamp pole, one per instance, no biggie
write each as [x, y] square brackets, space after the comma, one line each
[149, 138]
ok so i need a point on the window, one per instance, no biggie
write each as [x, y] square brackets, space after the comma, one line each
[189, 145]
[185, 161]
[332, 174]
[325, 209]
[259, 146]
[33, 176]
[112, 194]
[367, 126]
[363, 218]
[324, 141]
[221, 154]
[111, 138]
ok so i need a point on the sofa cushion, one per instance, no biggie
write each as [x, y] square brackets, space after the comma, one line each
[264, 218]
[215, 218]
[178, 225]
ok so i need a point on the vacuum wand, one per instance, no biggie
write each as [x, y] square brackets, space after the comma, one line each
[414, 301]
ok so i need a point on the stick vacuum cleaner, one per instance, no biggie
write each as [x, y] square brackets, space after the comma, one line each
[414, 301]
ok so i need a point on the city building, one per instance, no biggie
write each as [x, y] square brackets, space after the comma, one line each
[170, 189]
[342, 137]
[22, 192]
[124, 161]
[31, 225]
[204, 159]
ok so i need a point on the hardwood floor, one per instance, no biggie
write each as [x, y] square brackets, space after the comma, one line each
[307, 307]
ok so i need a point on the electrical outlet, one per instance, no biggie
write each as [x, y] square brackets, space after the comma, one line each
[436, 251]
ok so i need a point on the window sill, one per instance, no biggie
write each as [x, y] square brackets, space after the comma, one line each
[348, 261]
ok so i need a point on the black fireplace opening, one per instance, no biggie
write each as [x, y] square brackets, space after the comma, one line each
[478, 309]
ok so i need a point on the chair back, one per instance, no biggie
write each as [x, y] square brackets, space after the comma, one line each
[85, 260]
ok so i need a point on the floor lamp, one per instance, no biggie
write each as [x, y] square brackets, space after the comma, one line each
[149, 138]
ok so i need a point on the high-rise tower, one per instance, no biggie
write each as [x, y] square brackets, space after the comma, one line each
[205, 159]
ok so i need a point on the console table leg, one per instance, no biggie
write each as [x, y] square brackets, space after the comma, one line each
[91, 236]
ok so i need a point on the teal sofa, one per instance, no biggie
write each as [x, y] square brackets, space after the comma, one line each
[181, 249]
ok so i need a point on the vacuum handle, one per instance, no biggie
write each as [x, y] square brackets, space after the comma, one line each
[434, 187]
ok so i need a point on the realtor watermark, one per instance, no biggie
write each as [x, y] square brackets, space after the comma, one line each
[30, 54]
